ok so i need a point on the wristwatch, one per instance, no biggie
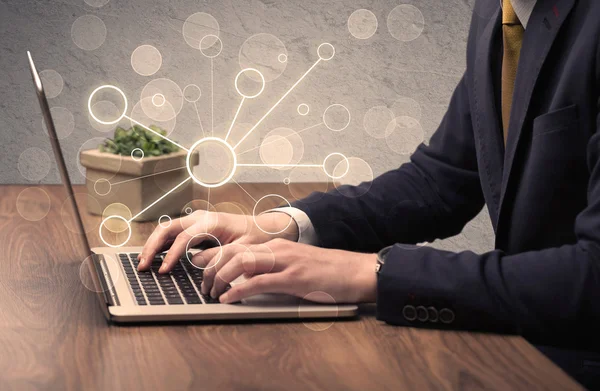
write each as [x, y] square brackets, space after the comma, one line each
[381, 256]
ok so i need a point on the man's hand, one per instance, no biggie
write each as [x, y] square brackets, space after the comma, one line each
[283, 266]
[228, 228]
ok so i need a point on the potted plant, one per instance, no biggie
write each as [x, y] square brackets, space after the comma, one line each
[136, 168]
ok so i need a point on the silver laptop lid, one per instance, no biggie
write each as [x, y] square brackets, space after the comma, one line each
[95, 265]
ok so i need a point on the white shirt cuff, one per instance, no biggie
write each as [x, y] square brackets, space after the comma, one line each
[306, 231]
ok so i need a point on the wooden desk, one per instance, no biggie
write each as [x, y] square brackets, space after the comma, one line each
[53, 335]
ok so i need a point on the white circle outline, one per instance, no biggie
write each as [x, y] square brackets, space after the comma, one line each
[282, 58]
[161, 224]
[164, 100]
[254, 214]
[319, 54]
[187, 250]
[192, 85]
[189, 157]
[218, 39]
[109, 187]
[286, 181]
[349, 117]
[186, 210]
[347, 165]
[137, 159]
[115, 217]
[111, 88]
[303, 105]
[262, 78]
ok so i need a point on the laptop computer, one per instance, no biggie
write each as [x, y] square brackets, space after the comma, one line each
[126, 295]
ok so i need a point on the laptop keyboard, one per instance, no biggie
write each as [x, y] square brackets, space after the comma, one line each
[179, 287]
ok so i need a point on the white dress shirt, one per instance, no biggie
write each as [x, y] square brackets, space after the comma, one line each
[307, 233]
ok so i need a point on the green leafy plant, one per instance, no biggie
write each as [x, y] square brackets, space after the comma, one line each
[126, 140]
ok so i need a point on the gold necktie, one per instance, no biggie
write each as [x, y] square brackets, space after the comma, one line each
[512, 32]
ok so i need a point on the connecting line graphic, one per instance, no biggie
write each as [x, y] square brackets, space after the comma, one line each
[155, 202]
[212, 98]
[281, 165]
[199, 120]
[146, 176]
[278, 102]
[240, 186]
[235, 117]
[156, 133]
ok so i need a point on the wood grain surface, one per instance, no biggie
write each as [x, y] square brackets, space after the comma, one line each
[54, 336]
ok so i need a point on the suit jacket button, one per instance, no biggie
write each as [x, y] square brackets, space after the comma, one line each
[433, 314]
[446, 316]
[422, 313]
[409, 312]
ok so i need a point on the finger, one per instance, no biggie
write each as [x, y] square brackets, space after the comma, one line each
[201, 259]
[245, 264]
[161, 239]
[216, 262]
[263, 283]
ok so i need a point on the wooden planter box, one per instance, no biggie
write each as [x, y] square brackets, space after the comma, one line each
[137, 183]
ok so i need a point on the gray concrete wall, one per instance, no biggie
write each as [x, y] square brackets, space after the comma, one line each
[383, 70]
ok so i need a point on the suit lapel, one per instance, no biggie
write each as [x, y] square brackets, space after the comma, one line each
[542, 28]
[486, 121]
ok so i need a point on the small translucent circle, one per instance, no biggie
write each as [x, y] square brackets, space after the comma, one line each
[362, 24]
[188, 210]
[33, 203]
[405, 135]
[102, 187]
[137, 154]
[119, 219]
[165, 221]
[116, 209]
[303, 109]
[211, 49]
[266, 53]
[97, 3]
[245, 73]
[198, 26]
[192, 93]
[113, 94]
[208, 237]
[88, 32]
[34, 164]
[266, 203]
[280, 147]
[88, 273]
[306, 307]
[146, 60]
[286, 181]
[376, 121]
[405, 22]
[326, 51]
[161, 99]
[336, 117]
[341, 165]
[358, 173]
[53, 83]
[214, 153]
[158, 100]
[64, 122]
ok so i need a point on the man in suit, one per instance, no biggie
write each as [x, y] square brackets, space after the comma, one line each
[520, 136]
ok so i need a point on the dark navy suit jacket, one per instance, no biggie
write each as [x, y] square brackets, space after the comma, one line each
[542, 191]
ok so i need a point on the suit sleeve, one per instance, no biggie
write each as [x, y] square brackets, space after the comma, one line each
[552, 293]
[433, 196]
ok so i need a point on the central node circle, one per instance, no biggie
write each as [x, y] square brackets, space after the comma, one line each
[217, 162]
